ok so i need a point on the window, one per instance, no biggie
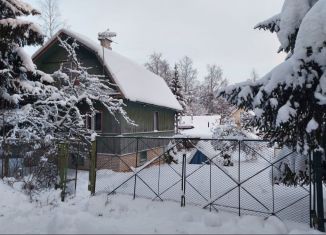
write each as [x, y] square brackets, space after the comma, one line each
[155, 121]
[98, 122]
[142, 157]
[94, 122]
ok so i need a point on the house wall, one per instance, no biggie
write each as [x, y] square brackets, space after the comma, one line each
[237, 117]
[121, 163]
[143, 115]
[51, 60]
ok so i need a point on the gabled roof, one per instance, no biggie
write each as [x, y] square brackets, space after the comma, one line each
[134, 81]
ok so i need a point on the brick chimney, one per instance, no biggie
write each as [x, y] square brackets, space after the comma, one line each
[106, 38]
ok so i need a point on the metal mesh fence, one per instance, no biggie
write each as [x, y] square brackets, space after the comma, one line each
[19, 158]
[240, 176]
[38, 164]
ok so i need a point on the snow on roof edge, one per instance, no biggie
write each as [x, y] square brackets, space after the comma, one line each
[172, 104]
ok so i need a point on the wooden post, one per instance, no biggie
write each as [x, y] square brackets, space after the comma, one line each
[92, 168]
[6, 159]
[63, 167]
[319, 190]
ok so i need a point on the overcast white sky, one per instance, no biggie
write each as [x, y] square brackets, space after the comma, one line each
[208, 31]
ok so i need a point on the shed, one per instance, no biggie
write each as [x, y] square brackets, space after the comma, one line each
[199, 158]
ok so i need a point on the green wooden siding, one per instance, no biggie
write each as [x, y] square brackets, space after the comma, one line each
[143, 115]
[51, 60]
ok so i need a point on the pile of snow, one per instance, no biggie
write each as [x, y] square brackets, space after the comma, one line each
[120, 214]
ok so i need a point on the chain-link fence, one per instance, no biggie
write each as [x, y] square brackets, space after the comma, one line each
[38, 164]
[241, 176]
[21, 158]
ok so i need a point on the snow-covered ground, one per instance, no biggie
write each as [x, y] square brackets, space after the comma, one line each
[257, 194]
[203, 126]
[120, 214]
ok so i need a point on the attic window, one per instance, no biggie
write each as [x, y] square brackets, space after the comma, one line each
[156, 121]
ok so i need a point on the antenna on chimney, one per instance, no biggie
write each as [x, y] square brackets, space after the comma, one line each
[106, 39]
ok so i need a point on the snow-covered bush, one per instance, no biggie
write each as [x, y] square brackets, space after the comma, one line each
[290, 168]
[229, 137]
[30, 166]
[25, 115]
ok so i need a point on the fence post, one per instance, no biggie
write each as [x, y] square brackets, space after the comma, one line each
[273, 189]
[311, 208]
[239, 178]
[319, 190]
[76, 166]
[92, 168]
[6, 160]
[183, 181]
[210, 184]
[136, 164]
[159, 175]
[63, 165]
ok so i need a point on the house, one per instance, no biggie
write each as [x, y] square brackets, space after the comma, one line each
[149, 101]
[240, 116]
[236, 116]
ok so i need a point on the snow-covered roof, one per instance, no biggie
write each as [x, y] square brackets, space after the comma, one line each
[134, 81]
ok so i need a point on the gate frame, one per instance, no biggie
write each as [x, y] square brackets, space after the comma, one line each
[313, 171]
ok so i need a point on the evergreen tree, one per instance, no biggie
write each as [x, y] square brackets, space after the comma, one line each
[23, 91]
[290, 101]
[21, 84]
[176, 87]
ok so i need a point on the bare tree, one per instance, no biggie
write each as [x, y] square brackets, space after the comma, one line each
[212, 83]
[214, 79]
[50, 17]
[188, 74]
[159, 66]
[188, 77]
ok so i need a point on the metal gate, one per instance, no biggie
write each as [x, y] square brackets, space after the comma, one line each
[240, 176]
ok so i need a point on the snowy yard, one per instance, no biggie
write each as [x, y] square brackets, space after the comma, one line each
[73, 91]
[257, 194]
[121, 214]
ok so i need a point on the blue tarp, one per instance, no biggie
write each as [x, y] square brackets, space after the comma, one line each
[199, 158]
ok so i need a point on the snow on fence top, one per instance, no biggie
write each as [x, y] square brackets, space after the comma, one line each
[135, 82]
